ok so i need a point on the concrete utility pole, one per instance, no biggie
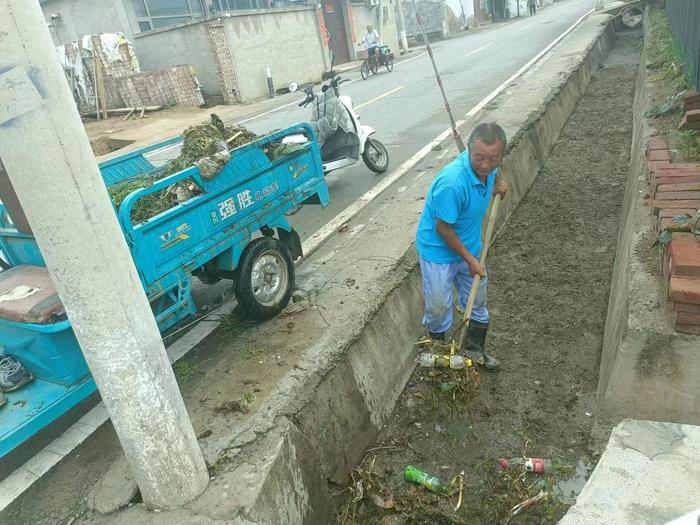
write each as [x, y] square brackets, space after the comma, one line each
[380, 21]
[53, 171]
[403, 41]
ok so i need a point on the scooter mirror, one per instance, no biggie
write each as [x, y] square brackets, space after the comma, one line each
[293, 87]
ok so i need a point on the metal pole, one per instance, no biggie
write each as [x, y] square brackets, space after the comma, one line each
[455, 133]
[53, 171]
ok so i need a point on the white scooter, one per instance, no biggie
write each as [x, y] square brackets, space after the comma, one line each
[343, 139]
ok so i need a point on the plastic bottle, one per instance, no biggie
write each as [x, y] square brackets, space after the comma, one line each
[432, 483]
[456, 362]
[534, 465]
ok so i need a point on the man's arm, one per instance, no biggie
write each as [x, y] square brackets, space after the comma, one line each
[447, 233]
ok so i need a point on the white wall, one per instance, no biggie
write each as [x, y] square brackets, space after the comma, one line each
[513, 6]
[86, 17]
[457, 7]
[173, 46]
[286, 40]
[362, 16]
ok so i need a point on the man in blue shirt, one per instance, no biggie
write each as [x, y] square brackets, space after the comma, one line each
[449, 237]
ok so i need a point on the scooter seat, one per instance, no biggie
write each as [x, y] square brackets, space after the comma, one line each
[27, 295]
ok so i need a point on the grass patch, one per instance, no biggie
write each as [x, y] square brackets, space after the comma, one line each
[664, 54]
[185, 371]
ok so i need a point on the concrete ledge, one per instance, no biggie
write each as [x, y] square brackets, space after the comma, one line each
[648, 475]
[648, 371]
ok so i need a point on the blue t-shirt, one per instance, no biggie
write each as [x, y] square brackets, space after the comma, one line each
[459, 198]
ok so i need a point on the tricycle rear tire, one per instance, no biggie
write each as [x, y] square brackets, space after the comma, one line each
[265, 278]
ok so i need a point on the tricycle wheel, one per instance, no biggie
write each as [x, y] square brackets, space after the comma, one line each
[364, 70]
[376, 156]
[389, 64]
[265, 278]
[375, 64]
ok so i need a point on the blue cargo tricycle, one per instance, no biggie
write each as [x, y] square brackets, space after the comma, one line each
[234, 228]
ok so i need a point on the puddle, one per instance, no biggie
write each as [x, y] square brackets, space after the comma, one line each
[569, 489]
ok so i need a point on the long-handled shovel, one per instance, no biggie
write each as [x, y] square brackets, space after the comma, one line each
[462, 331]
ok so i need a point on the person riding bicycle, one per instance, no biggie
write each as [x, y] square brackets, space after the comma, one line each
[371, 40]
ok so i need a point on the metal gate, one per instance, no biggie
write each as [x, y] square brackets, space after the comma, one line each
[684, 17]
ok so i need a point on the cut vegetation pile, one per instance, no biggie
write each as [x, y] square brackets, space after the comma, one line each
[200, 143]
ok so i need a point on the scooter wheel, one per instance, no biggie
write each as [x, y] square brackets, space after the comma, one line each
[376, 156]
[265, 278]
[364, 70]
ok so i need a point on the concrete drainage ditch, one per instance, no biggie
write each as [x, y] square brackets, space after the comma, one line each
[550, 272]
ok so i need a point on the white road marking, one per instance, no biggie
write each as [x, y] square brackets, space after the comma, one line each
[478, 49]
[274, 110]
[375, 99]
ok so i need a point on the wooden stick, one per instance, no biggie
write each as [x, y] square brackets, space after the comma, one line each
[129, 114]
[477, 278]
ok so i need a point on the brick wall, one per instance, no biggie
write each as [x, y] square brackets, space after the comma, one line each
[154, 88]
[224, 63]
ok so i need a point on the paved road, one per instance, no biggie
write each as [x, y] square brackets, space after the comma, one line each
[413, 113]
[406, 107]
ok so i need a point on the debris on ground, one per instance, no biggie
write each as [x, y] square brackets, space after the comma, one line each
[231, 407]
[524, 505]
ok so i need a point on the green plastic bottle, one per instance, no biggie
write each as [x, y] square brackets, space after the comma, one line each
[416, 475]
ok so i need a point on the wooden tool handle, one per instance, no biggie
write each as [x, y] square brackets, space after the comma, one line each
[477, 278]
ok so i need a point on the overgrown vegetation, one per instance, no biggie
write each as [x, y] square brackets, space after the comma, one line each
[185, 371]
[690, 146]
[664, 54]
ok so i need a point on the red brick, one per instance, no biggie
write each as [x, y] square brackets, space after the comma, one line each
[671, 224]
[689, 124]
[691, 96]
[681, 167]
[684, 258]
[657, 143]
[659, 180]
[689, 106]
[674, 204]
[687, 329]
[684, 307]
[659, 154]
[684, 290]
[677, 195]
[687, 318]
[693, 115]
[671, 213]
[680, 186]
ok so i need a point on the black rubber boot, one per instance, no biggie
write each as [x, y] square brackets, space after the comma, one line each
[474, 346]
[436, 336]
